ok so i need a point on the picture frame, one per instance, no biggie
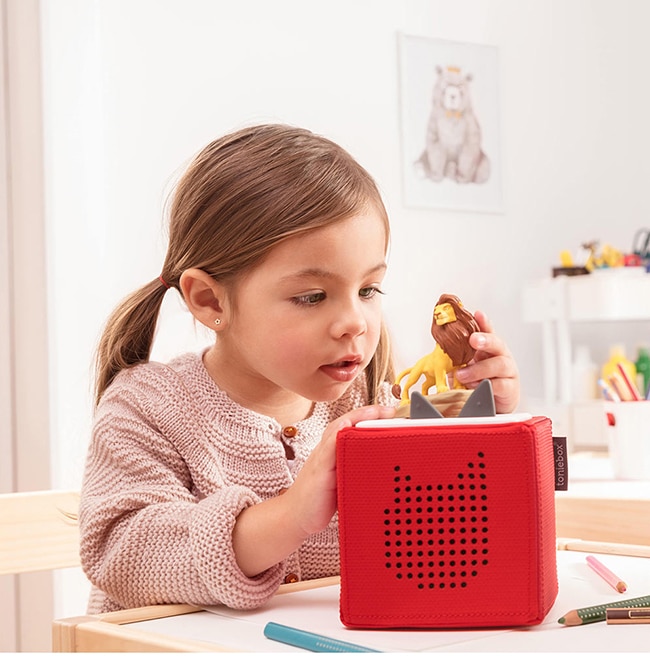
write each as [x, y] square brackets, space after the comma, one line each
[450, 125]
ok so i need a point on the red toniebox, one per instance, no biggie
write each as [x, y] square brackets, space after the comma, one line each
[447, 522]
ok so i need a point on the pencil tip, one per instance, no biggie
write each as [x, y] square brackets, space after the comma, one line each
[561, 620]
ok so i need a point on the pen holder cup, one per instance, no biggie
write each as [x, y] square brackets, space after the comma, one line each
[629, 439]
[445, 526]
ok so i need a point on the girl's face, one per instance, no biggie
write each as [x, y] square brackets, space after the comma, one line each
[307, 320]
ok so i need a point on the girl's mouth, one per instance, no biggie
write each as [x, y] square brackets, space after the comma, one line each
[343, 371]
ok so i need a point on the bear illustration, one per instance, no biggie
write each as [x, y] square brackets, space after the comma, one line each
[453, 143]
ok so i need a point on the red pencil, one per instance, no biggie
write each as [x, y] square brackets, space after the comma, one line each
[628, 383]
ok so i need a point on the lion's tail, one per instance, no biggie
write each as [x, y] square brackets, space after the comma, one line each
[406, 372]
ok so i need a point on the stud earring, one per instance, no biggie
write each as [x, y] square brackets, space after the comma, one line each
[217, 321]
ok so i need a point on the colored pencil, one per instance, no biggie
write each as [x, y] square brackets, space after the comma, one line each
[606, 574]
[309, 641]
[629, 383]
[628, 616]
[599, 613]
[619, 385]
[608, 391]
[593, 546]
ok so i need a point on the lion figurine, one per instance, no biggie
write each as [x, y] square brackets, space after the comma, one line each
[453, 142]
[451, 327]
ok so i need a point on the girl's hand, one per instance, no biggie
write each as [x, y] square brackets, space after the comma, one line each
[267, 532]
[493, 360]
[314, 490]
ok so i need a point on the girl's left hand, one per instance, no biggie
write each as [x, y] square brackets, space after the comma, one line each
[493, 360]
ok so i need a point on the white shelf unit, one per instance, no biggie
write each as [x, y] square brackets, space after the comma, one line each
[556, 303]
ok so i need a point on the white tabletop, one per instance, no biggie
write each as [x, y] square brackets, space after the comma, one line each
[317, 611]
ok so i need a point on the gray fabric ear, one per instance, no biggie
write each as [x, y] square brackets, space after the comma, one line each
[421, 408]
[481, 402]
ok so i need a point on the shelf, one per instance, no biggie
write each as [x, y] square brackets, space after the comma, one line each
[607, 295]
[555, 303]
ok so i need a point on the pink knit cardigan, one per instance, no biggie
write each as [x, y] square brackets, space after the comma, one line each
[171, 463]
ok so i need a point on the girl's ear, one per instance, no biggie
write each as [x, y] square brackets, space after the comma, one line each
[205, 297]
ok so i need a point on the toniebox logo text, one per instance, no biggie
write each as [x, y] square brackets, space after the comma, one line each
[561, 463]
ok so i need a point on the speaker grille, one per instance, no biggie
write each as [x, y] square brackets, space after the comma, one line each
[436, 532]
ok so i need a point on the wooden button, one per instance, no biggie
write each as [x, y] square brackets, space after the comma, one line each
[291, 578]
[289, 431]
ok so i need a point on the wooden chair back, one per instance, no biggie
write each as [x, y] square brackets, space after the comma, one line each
[38, 531]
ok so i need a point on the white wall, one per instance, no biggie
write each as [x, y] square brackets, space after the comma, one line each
[133, 88]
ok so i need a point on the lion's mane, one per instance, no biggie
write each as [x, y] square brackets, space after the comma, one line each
[453, 338]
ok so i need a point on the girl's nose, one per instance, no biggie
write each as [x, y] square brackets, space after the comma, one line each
[350, 321]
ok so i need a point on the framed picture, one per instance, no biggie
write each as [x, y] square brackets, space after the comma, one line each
[449, 101]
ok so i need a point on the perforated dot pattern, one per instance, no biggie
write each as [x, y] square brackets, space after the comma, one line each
[436, 534]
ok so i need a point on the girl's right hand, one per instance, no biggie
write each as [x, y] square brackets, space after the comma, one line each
[268, 532]
[314, 491]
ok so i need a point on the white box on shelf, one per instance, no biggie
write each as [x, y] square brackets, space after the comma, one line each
[587, 426]
[618, 294]
[629, 440]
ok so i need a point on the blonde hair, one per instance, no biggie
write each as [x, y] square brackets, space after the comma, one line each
[242, 195]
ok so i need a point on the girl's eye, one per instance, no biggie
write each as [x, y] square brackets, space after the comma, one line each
[308, 299]
[369, 292]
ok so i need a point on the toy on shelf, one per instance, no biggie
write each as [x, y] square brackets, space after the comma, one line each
[589, 257]
[451, 327]
[642, 365]
[607, 258]
[640, 255]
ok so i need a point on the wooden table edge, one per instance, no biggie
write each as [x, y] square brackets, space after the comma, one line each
[83, 632]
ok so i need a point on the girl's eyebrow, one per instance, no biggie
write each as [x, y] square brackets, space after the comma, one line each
[315, 272]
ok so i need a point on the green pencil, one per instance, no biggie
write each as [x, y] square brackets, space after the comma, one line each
[598, 613]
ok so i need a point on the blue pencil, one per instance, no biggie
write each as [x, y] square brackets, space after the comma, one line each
[309, 641]
[608, 392]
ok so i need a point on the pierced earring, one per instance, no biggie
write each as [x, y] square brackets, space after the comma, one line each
[217, 321]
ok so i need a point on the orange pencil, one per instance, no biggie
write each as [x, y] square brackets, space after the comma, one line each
[620, 387]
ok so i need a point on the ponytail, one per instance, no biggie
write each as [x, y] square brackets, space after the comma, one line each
[128, 336]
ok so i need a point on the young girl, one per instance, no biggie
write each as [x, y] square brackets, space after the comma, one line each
[212, 478]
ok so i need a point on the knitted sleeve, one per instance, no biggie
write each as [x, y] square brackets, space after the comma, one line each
[146, 537]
